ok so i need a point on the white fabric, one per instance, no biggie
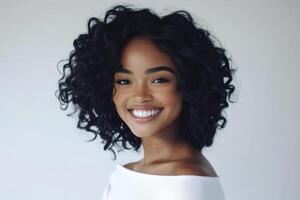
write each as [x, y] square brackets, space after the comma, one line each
[126, 184]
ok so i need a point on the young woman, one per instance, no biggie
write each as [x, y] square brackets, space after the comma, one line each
[138, 79]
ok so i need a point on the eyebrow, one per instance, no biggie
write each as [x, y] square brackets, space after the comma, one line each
[148, 71]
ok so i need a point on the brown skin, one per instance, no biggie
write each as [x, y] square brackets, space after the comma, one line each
[164, 152]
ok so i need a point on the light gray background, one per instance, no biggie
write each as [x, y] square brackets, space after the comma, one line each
[43, 155]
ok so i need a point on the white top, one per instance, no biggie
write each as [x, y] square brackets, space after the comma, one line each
[126, 184]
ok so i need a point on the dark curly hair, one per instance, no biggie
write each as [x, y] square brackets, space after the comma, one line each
[205, 74]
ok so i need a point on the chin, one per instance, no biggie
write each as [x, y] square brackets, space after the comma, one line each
[141, 133]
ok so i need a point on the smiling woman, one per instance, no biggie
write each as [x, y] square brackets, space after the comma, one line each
[159, 82]
[148, 102]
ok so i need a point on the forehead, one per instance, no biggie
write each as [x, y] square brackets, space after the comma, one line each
[141, 54]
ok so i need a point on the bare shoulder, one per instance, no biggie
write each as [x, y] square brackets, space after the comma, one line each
[197, 171]
[130, 165]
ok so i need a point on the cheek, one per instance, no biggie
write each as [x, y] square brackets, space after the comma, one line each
[176, 102]
[171, 98]
[118, 99]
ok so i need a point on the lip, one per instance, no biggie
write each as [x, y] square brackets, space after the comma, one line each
[146, 119]
[143, 107]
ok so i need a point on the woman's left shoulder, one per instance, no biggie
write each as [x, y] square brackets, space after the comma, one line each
[196, 170]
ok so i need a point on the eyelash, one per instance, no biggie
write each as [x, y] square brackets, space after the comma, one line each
[119, 81]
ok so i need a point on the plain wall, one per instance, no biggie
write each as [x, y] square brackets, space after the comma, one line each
[44, 156]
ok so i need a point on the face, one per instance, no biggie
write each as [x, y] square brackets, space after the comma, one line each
[145, 93]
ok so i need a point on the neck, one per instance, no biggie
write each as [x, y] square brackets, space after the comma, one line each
[167, 149]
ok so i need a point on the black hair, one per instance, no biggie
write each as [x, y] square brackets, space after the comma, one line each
[204, 80]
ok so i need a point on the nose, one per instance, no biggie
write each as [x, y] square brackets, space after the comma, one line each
[141, 94]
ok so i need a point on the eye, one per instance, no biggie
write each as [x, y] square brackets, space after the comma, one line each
[122, 82]
[161, 80]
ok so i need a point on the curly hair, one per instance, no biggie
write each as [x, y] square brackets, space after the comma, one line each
[204, 79]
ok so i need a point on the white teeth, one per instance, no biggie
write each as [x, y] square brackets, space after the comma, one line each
[145, 113]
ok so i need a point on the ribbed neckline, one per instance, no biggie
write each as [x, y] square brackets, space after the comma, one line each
[129, 171]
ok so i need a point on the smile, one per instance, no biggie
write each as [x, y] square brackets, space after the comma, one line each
[142, 116]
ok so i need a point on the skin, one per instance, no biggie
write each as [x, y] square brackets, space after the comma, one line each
[164, 152]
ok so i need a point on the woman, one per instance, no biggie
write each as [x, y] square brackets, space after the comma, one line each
[159, 82]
